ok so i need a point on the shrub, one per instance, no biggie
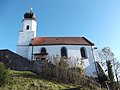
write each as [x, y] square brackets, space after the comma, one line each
[102, 78]
[63, 63]
[63, 75]
[4, 73]
[77, 70]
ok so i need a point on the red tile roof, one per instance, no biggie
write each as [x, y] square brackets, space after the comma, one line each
[60, 41]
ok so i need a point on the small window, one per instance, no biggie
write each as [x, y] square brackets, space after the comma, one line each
[83, 52]
[27, 28]
[63, 52]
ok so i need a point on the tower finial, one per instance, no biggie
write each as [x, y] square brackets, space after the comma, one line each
[31, 9]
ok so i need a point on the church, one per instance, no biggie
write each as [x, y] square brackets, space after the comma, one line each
[76, 50]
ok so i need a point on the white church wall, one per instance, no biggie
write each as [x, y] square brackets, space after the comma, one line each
[96, 54]
[90, 70]
[25, 37]
[23, 51]
[30, 53]
[74, 54]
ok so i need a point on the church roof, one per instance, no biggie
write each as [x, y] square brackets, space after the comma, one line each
[38, 41]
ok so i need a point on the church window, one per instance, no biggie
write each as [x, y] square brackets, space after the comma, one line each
[27, 28]
[83, 52]
[43, 54]
[43, 50]
[63, 52]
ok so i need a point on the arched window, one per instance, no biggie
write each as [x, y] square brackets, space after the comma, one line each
[27, 28]
[43, 50]
[83, 52]
[63, 52]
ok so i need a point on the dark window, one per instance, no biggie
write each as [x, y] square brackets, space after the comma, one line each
[43, 50]
[27, 28]
[43, 54]
[63, 52]
[83, 52]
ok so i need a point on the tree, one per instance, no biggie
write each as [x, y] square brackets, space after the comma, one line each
[110, 72]
[107, 58]
[106, 55]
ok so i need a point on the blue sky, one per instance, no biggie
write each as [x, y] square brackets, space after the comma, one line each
[97, 20]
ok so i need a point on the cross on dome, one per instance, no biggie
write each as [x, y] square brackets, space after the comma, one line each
[31, 10]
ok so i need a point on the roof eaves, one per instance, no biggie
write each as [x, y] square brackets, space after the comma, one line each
[88, 41]
[57, 44]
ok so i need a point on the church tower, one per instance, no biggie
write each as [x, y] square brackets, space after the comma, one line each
[27, 33]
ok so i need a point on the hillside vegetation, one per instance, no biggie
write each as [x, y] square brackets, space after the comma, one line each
[51, 78]
[25, 80]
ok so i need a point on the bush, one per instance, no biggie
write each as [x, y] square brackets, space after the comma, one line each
[63, 63]
[63, 75]
[77, 70]
[4, 73]
[102, 78]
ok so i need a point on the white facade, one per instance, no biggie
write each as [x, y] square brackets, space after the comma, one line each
[73, 53]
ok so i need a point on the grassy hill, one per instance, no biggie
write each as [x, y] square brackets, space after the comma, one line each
[25, 80]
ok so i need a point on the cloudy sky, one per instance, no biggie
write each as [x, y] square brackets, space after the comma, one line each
[97, 20]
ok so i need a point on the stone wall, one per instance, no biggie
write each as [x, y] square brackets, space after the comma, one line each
[13, 60]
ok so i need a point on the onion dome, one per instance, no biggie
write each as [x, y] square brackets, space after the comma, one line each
[30, 15]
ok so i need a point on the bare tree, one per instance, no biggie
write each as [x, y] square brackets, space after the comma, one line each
[106, 55]
[107, 58]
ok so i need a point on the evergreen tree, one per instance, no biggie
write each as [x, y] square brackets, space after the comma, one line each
[110, 72]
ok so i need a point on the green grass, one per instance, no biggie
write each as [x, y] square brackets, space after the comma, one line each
[25, 80]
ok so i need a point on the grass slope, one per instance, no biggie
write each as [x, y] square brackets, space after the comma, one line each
[25, 80]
